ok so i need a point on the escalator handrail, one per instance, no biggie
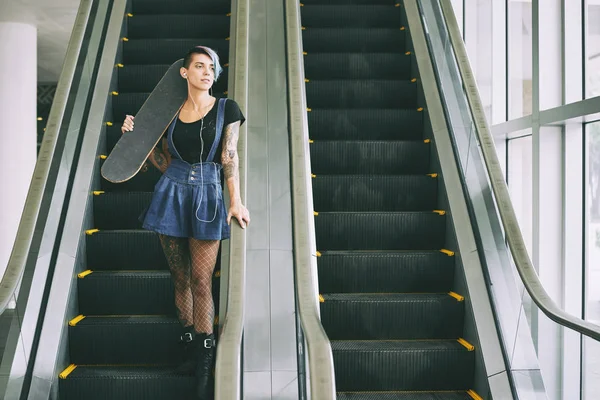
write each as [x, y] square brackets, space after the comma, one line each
[39, 180]
[228, 368]
[508, 217]
[320, 357]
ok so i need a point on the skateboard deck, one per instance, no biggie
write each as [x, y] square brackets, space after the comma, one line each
[152, 120]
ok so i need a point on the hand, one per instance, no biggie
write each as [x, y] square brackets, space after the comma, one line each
[241, 213]
[127, 124]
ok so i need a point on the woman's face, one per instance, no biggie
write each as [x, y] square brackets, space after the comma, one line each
[201, 72]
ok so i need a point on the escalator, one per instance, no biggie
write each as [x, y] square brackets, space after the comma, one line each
[123, 335]
[392, 302]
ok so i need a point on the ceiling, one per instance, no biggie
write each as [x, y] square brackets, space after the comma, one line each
[54, 20]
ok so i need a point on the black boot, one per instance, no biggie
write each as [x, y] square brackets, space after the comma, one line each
[205, 352]
[188, 366]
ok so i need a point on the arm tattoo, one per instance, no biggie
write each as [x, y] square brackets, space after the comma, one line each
[229, 156]
[159, 158]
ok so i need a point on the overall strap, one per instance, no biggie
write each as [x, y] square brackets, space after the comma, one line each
[218, 129]
[170, 143]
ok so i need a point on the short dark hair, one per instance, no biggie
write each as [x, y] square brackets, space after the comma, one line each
[187, 60]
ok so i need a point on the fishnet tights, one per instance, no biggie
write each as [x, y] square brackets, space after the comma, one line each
[192, 263]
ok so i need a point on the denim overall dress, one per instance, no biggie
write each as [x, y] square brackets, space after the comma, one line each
[188, 198]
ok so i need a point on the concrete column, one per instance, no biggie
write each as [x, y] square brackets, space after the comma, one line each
[18, 80]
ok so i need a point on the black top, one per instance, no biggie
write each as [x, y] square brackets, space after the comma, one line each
[186, 136]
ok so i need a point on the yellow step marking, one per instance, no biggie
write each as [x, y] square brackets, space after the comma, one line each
[67, 371]
[91, 231]
[319, 254]
[226, 65]
[98, 192]
[228, 38]
[114, 93]
[427, 141]
[440, 212]
[315, 213]
[468, 345]
[306, 80]
[402, 28]
[420, 109]
[103, 156]
[301, 5]
[226, 92]
[216, 320]
[413, 80]
[228, 14]
[407, 53]
[474, 395]
[397, 5]
[313, 176]
[84, 273]
[434, 175]
[456, 296]
[308, 109]
[303, 28]
[321, 299]
[129, 15]
[109, 124]
[304, 53]
[310, 141]
[40, 118]
[119, 65]
[218, 274]
[125, 39]
[449, 253]
[76, 320]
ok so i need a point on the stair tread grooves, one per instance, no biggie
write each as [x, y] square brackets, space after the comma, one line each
[407, 395]
[387, 297]
[445, 344]
[99, 320]
[122, 371]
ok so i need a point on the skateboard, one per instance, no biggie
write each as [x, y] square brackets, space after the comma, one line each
[152, 120]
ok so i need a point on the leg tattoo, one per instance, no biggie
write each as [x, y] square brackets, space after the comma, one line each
[178, 256]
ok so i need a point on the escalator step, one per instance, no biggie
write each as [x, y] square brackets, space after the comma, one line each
[385, 272]
[369, 157]
[130, 103]
[374, 193]
[143, 181]
[166, 51]
[380, 231]
[353, 40]
[143, 78]
[126, 292]
[348, 2]
[213, 7]
[357, 66]
[358, 16]
[129, 340]
[120, 210]
[402, 365]
[334, 124]
[124, 250]
[174, 26]
[442, 395]
[116, 383]
[389, 316]
[361, 94]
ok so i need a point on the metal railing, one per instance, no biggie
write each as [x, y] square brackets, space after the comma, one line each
[228, 371]
[33, 208]
[504, 205]
[320, 357]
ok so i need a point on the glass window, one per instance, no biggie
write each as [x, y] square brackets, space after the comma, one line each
[520, 37]
[591, 355]
[592, 41]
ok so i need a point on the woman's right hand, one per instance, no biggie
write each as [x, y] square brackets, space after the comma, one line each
[127, 124]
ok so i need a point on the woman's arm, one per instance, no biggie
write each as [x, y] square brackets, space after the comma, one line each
[231, 170]
[160, 157]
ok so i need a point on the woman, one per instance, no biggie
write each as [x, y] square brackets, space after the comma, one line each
[187, 208]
